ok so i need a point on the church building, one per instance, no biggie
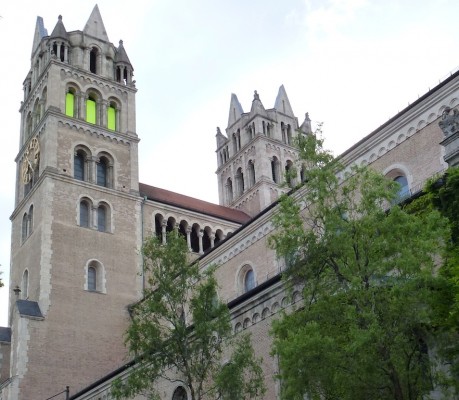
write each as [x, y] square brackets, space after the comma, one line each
[81, 215]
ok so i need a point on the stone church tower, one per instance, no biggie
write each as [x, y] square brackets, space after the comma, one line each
[256, 152]
[76, 223]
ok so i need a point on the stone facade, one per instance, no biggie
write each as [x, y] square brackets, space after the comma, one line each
[81, 214]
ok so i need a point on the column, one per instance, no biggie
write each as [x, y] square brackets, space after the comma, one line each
[103, 112]
[66, 54]
[163, 230]
[188, 237]
[200, 235]
[94, 217]
[212, 240]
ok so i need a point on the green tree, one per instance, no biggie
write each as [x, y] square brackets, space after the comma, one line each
[370, 289]
[181, 332]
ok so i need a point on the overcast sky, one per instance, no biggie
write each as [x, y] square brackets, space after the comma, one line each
[352, 64]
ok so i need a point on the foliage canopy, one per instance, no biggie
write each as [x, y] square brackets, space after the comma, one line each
[180, 332]
[372, 294]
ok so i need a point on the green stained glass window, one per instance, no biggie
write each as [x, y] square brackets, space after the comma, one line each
[111, 118]
[91, 111]
[69, 104]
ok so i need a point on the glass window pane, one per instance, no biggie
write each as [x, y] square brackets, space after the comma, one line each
[91, 111]
[84, 214]
[111, 118]
[69, 104]
[101, 218]
[249, 281]
[78, 168]
[91, 278]
[102, 173]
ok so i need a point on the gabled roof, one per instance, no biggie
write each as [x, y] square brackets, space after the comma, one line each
[59, 30]
[282, 103]
[121, 55]
[29, 308]
[40, 33]
[192, 204]
[95, 26]
[235, 110]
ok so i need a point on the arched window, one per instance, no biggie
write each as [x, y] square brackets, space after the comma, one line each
[25, 284]
[30, 221]
[111, 116]
[93, 60]
[275, 169]
[180, 394]
[159, 225]
[84, 213]
[229, 190]
[70, 103]
[239, 182]
[95, 280]
[102, 170]
[404, 191]
[251, 173]
[284, 133]
[289, 135]
[289, 174]
[25, 226]
[91, 110]
[249, 280]
[102, 219]
[79, 162]
[92, 278]
[29, 127]
[194, 238]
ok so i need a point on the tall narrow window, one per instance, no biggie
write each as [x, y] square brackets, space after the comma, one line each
[101, 219]
[78, 165]
[93, 60]
[239, 182]
[25, 284]
[25, 225]
[229, 190]
[111, 117]
[251, 172]
[275, 169]
[92, 279]
[84, 214]
[91, 110]
[102, 172]
[30, 221]
[249, 280]
[70, 104]
[404, 191]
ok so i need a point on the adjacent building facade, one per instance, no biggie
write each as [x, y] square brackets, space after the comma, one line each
[81, 213]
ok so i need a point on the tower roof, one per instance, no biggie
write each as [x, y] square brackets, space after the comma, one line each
[306, 125]
[95, 26]
[282, 103]
[235, 110]
[121, 55]
[40, 33]
[59, 30]
[257, 105]
[221, 138]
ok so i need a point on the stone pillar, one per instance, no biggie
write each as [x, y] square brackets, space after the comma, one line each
[188, 237]
[92, 170]
[200, 235]
[94, 217]
[117, 116]
[110, 177]
[66, 54]
[103, 112]
[212, 240]
[163, 230]
[58, 55]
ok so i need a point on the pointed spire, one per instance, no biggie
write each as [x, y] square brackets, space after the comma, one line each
[306, 125]
[282, 103]
[59, 30]
[235, 111]
[40, 33]
[221, 139]
[95, 26]
[257, 105]
[121, 55]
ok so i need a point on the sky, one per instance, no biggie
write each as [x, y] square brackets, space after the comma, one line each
[352, 64]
